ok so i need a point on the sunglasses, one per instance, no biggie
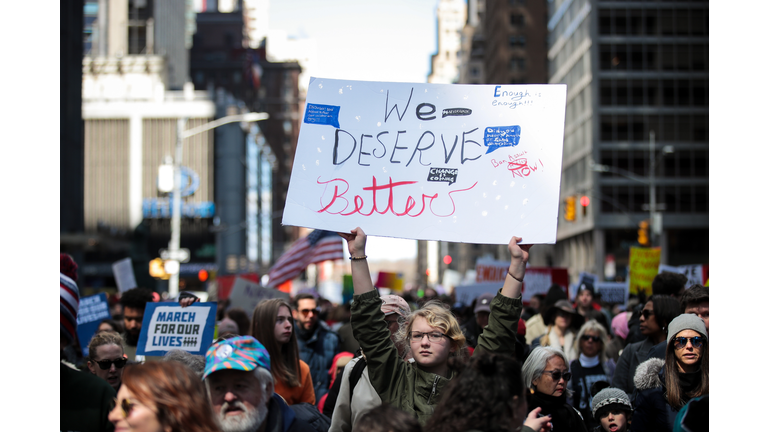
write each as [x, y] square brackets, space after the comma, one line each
[646, 313]
[125, 406]
[590, 338]
[106, 364]
[556, 375]
[306, 312]
[682, 342]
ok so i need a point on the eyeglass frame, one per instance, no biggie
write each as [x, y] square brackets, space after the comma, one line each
[646, 313]
[126, 406]
[305, 312]
[109, 363]
[559, 375]
[590, 337]
[429, 336]
[678, 346]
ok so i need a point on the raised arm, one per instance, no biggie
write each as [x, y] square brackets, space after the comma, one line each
[513, 284]
[361, 275]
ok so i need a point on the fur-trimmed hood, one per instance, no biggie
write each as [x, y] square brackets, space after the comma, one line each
[649, 374]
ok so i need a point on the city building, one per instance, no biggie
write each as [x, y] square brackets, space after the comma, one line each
[634, 70]
[451, 17]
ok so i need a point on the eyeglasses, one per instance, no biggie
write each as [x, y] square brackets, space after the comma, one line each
[125, 406]
[556, 375]
[590, 338]
[106, 364]
[646, 313]
[432, 337]
[306, 312]
[682, 342]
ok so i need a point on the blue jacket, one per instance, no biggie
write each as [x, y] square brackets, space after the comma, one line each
[282, 418]
[318, 352]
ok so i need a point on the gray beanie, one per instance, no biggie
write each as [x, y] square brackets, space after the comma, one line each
[686, 322]
[610, 396]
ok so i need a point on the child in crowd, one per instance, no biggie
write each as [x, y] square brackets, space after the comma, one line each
[612, 408]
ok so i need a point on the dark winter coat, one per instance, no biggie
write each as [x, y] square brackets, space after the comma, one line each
[633, 355]
[564, 416]
[318, 352]
[652, 412]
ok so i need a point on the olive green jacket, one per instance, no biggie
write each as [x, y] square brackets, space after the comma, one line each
[403, 384]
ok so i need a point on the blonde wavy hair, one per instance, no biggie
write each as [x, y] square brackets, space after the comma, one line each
[439, 317]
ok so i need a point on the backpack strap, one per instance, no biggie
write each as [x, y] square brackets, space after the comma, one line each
[355, 375]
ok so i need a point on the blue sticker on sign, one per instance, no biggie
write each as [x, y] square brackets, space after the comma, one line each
[168, 326]
[501, 136]
[322, 115]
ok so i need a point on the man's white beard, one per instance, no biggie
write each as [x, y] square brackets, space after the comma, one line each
[249, 421]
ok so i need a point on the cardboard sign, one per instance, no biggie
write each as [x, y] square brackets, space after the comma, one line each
[489, 270]
[696, 274]
[613, 292]
[247, 294]
[537, 281]
[643, 267]
[92, 310]
[465, 294]
[168, 326]
[123, 271]
[430, 161]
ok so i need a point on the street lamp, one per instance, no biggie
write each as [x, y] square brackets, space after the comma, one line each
[652, 207]
[173, 246]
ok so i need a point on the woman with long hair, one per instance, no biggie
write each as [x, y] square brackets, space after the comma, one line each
[106, 357]
[590, 367]
[488, 395]
[562, 323]
[272, 325]
[665, 386]
[162, 397]
[432, 333]
[655, 317]
[545, 372]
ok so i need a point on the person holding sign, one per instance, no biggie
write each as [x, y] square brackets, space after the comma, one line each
[272, 325]
[432, 332]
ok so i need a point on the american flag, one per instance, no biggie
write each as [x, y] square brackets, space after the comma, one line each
[318, 246]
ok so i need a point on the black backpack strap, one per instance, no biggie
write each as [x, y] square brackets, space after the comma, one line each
[355, 375]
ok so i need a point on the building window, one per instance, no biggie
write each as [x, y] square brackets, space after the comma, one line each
[517, 41]
[517, 64]
[517, 20]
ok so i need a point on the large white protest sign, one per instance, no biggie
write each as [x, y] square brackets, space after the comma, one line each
[168, 326]
[247, 294]
[463, 163]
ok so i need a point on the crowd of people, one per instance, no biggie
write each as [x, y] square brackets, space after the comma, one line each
[401, 362]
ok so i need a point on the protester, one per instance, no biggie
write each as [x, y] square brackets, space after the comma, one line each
[665, 283]
[239, 316]
[432, 332]
[196, 363]
[620, 331]
[347, 341]
[561, 319]
[545, 371]
[240, 387]
[695, 300]
[272, 325]
[162, 397]
[536, 326]
[591, 366]
[355, 380]
[665, 386]
[134, 301]
[386, 418]
[656, 315]
[472, 328]
[612, 408]
[106, 358]
[487, 395]
[317, 343]
[110, 325]
[84, 399]
[585, 300]
[337, 368]
[228, 326]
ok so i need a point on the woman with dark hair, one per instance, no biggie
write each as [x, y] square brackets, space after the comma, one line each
[239, 316]
[110, 325]
[488, 395]
[655, 317]
[562, 323]
[162, 397]
[272, 325]
[665, 386]
[545, 372]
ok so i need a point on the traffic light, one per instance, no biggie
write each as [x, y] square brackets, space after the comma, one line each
[570, 208]
[447, 259]
[642, 233]
[202, 275]
[584, 204]
[157, 269]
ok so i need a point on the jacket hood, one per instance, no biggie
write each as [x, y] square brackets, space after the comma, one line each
[648, 374]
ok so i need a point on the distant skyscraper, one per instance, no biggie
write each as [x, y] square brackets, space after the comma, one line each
[451, 17]
[256, 15]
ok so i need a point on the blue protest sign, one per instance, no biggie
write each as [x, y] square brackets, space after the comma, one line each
[168, 326]
[92, 310]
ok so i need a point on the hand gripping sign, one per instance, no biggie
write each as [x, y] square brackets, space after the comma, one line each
[465, 163]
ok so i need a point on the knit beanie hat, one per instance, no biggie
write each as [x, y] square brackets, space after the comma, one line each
[610, 397]
[69, 303]
[686, 322]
